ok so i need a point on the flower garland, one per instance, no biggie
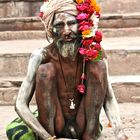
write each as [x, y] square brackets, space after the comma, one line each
[88, 18]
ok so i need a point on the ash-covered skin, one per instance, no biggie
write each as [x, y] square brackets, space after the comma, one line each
[65, 30]
[52, 94]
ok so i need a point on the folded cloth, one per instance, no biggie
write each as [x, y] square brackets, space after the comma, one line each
[18, 130]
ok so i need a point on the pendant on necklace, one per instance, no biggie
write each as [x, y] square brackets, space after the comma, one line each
[72, 105]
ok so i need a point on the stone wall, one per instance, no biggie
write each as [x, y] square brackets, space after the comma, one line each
[19, 8]
[120, 6]
[25, 8]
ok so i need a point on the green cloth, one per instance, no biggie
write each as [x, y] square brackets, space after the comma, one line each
[18, 130]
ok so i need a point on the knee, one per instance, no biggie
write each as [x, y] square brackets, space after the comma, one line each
[46, 71]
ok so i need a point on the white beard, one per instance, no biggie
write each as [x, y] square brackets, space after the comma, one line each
[68, 49]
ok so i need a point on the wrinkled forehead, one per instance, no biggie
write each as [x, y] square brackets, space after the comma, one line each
[63, 17]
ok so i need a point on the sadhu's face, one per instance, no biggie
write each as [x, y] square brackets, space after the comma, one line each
[65, 27]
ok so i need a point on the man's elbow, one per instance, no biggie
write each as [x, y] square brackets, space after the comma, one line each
[20, 107]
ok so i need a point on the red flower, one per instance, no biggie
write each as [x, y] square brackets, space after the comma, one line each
[88, 1]
[86, 59]
[81, 88]
[87, 42]
[41, 14]
[82, 16]
[98, 36]
[92, 53]
[97, 46]
[89, 53]
[89, 23]
[84, 27]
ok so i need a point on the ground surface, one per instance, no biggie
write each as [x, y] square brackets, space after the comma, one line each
[130, 115]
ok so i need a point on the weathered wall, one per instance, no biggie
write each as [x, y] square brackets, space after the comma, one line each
[120, 6]
[22, 8]
[19, 8]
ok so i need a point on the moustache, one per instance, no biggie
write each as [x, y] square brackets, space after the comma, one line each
[60, 42]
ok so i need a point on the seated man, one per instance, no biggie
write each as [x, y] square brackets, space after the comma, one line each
[66, 109]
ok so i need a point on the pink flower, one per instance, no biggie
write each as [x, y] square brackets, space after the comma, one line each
[85, 25]
[81, 88]
[82, 7]
[97, 46]
[82, 51]
[85, 7]
[98, 36]
[98, 15]
[82, 16]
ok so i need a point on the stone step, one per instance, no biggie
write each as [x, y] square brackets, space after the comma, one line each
[119, 6]
[126, 89]
[39, 34]
[9, 88]
[123, 55]
[107, 21]
[22, 8]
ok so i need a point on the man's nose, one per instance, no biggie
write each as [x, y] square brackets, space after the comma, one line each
[67, 30]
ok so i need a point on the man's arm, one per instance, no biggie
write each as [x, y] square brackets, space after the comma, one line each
[25, 94]
[112, 110]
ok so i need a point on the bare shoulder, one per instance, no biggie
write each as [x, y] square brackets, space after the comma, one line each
[37, 53]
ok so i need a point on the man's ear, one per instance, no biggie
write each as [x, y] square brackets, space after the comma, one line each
[54, 32]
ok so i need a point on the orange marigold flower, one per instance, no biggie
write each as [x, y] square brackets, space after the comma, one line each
[93, 3]
[97, 8]
[86, 32]
[79, 1]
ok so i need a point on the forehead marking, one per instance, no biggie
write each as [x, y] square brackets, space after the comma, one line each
[63, 17]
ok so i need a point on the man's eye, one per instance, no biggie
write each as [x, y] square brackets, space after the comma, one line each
[58, 25]
[72, 22]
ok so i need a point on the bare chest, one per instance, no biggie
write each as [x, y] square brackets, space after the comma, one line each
[68, 77]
